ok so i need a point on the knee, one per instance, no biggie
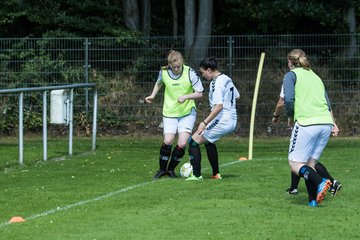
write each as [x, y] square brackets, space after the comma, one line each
[168, 141]
[165, 150]
[295, 166]
[182, 144]
[178, 152]
[192, 143]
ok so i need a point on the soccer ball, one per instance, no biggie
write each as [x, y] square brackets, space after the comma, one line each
[186, 170]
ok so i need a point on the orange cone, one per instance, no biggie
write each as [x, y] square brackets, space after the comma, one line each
[16, 219]
[243, 158]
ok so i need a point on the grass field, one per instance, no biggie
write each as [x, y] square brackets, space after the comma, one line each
[109, 193]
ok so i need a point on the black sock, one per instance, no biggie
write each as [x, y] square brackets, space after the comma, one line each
[165, 152]
[322, 171]
[294, 181]
[312, 190]
[176, 157]
[212, 155]
[195, 157]
[310, 174]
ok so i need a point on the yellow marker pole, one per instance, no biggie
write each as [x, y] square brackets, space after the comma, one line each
[253, 109]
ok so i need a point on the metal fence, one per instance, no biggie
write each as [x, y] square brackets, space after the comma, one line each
[69, 119]
[125, 70]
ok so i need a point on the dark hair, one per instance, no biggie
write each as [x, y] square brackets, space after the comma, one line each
[207, 63]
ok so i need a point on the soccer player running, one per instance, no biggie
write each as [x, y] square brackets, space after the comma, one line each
[309, 110]
[319, 167]
[182, 86]
[221, 120]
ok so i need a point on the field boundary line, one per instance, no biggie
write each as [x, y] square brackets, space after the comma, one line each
[108, 195]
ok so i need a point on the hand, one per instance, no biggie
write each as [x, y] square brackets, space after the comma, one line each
[201, 128]
[181, 99]
[335, 130]
[149, 99]
[275, 120]
[291, 123]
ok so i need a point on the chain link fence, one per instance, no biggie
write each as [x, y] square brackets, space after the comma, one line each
[125, 70]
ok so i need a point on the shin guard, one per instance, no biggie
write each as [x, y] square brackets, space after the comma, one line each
[165, 152]
[195, 157]
[310, 174]
[176, 157]
[212, 155]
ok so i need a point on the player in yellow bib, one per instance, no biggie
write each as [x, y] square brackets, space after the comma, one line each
[309, 110]
[319, 167]
[182, 87]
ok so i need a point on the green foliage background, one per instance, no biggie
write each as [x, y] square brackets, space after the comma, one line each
[90, 18]
[49, 20]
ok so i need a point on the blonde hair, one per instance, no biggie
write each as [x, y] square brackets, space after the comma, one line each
[175, 56]
[298, 58]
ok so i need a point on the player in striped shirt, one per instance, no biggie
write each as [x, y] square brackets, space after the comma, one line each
[221, 120]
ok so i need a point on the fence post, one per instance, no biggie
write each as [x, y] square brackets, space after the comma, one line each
[230, 55]
[44, 127]
[86, 73]
[21, 129]
[71, 104]
[94, 120]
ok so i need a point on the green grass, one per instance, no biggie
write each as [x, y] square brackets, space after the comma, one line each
[109, 193]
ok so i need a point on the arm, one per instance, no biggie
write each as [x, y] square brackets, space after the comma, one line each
[335, 130]
[215, 111]
[278, 110]
[289, 93]
[236, 93]
[194, 95]
[157, 87]
[197, 87]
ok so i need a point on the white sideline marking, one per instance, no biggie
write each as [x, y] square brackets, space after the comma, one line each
[58, 209]
[110, 194]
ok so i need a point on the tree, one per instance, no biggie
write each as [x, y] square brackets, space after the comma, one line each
[351, 19]
[280, 16]
[189, 26]
[72, 18]
[175, 18]
[11, 17]
[90, 18]
[201, 40]
[146, 17]
[131, 14]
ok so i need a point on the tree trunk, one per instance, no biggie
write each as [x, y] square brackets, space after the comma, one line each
[146, 17]
[351, 19]
[175, 18]
[189, 26]
[203, 33]
[131, 14]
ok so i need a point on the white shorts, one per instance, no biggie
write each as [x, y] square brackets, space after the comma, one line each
[218, 128]
[181, 124]
[308, 142]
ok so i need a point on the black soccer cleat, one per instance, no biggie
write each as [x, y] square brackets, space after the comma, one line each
[159, 174]
[291, 191]
[335, 188]
[171, 173]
